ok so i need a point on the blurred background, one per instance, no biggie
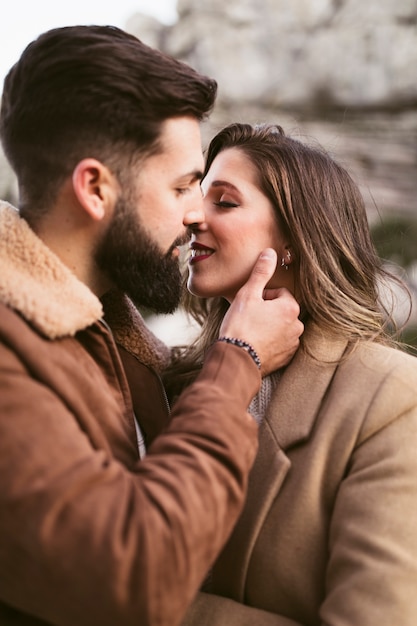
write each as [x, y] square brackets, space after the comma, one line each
[340, 72]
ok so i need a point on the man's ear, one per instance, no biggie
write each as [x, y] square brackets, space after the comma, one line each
[95, 187]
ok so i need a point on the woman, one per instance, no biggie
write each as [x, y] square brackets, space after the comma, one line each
[328, 535]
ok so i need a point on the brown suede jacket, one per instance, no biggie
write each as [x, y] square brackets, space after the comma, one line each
[90, 535]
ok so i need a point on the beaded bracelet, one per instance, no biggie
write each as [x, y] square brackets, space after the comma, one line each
[245, 345]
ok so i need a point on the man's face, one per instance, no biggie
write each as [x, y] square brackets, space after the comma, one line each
[139, 251]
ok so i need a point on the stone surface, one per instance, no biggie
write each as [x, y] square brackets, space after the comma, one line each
[333, 52]
[341, 71]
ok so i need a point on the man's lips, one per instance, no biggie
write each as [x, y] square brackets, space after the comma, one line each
[199, 252]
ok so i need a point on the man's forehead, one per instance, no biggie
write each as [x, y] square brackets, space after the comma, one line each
[180, 131]
[180, 147]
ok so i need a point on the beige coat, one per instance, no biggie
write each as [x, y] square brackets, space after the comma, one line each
[328, 535]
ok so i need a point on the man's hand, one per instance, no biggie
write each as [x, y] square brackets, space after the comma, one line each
[267, 319]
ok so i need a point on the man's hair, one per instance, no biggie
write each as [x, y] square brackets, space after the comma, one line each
[91, 91]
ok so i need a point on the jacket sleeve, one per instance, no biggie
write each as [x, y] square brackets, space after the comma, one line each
[85, 541]
[372, 568]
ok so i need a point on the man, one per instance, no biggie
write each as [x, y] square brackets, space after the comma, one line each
[103, 134]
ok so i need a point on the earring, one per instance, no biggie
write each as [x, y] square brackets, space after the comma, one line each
[286, 264]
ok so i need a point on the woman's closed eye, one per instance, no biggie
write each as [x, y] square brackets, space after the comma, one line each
[225, 204]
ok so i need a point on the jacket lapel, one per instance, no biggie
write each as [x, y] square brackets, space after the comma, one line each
[268, 473]
[293, 408]
[289, 420]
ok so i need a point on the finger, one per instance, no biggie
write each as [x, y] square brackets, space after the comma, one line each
[274, 293]
[262, 272]
[285, 297]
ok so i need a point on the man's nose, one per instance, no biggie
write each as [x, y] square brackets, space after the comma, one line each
[195, 215]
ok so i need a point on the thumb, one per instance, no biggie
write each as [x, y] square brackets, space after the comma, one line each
[262, 272]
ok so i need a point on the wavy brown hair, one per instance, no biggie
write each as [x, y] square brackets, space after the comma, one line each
[322, 212]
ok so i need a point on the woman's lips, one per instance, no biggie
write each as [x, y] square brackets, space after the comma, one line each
[199, 252]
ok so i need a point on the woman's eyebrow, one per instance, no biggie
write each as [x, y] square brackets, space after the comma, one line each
[224, 183]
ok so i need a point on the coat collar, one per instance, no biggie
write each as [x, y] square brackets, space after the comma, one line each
[34, 281]
[294, 405]
[130, 331]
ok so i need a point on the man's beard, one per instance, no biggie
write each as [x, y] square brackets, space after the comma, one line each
[136, 266]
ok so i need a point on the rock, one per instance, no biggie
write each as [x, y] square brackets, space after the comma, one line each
[152, 31]
[342, 71]
[291, 54]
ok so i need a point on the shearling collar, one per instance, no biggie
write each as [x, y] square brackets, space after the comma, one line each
[34, 282]
[38, 285]
[130, 331]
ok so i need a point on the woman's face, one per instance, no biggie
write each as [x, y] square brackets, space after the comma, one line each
[239, 223]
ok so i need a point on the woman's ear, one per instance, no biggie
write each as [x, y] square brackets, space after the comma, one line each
[95, 187]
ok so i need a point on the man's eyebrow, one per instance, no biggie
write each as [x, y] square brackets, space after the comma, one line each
[191, 176]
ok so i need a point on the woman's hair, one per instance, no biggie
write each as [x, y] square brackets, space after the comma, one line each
[322, 213]
[91, 91]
